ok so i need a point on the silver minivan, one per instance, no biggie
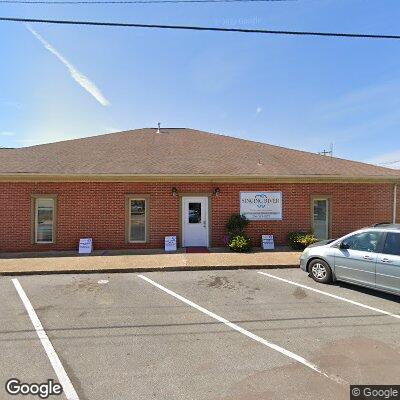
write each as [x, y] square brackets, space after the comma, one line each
[368, 257]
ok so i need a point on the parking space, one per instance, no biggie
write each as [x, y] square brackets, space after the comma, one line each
[200, 335]
[21, 352]
[388, 302]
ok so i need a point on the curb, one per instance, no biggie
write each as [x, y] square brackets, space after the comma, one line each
[148, 269]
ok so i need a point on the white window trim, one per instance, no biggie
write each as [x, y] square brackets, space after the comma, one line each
[36, 220]
[133, 198]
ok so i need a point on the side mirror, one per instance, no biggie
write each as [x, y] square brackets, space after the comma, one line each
[343, 246]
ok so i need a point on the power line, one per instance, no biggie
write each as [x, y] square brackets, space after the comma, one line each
[202, 28]
[390, 162]
[134, 1]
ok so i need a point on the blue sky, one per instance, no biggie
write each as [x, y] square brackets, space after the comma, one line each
[298, 92]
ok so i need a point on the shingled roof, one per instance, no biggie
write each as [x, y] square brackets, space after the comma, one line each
[178, 152]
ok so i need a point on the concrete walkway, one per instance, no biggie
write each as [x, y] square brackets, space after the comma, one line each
[69, 262]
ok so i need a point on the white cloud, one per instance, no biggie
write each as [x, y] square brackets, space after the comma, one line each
[112, 129]
[76, 75]
[7, 133]
[258, 110]
[379, 96]
[10, 103]
[44, 137]
[389, 160]
[364, 112]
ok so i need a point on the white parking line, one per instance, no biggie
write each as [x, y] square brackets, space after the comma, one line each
[356, 303]
[249, 334]
[63, 378]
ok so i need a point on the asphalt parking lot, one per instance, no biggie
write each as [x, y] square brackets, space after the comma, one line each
[237, 335]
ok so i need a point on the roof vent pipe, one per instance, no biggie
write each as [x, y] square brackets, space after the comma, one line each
[158, 129]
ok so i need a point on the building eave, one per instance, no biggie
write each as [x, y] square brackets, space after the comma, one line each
[37, 177]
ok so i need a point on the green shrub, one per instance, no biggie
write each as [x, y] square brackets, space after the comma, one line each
[300, 240]
[236, 225]
[240, 243]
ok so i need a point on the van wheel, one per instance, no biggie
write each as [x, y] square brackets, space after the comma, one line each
[320, 271]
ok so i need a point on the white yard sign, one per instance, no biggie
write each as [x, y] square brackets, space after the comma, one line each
[170, 243]
[85, 246]
[267, 242]
[257, 206]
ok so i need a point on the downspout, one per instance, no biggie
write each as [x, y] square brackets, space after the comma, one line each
[394, 203]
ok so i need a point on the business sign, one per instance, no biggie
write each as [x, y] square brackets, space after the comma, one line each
[85, 246]
[257, 206]
[267, 242]
[170, 243]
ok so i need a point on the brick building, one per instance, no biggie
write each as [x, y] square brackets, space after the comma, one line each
[131, 189]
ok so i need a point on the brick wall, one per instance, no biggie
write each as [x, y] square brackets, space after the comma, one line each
[97, 210]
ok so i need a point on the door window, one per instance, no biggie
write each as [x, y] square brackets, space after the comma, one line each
[194, 213]
[392, 244]
[44, 220]
[137, 220]
[321, 218]
[365, 241]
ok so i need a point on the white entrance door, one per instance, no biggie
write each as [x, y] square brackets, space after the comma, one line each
[195, 221]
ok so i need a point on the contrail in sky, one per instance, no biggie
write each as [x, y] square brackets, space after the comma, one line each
[76, 75]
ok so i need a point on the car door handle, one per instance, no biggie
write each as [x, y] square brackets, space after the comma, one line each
[368, 257]
[386, 260]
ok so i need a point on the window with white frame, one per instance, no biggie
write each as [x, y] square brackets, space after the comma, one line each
[44, 219]
[137, 219]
